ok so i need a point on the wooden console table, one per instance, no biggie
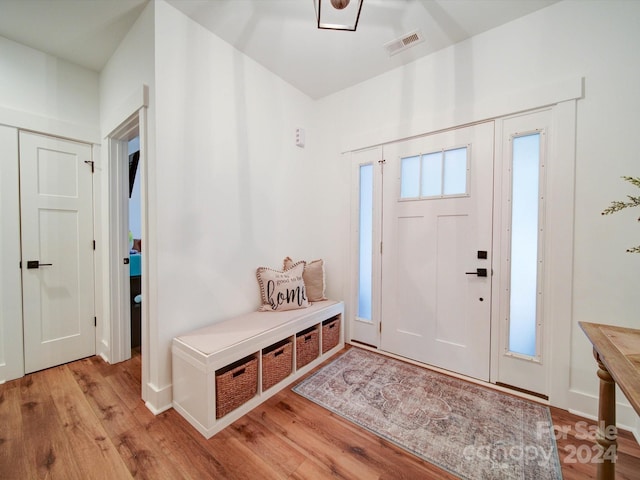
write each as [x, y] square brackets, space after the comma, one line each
[617, 351]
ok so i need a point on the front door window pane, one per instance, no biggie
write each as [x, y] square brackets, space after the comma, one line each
[432, 174]
[455, 172]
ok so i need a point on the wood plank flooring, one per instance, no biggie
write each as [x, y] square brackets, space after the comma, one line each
[85, 420]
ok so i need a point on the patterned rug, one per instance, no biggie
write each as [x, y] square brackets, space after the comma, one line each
[469, 430]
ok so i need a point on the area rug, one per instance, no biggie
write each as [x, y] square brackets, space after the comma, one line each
[469, 430]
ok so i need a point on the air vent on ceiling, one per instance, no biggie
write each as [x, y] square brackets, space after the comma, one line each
[406, 41]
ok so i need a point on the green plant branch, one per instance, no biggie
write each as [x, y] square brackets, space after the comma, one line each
[633, 180]
[617, 205]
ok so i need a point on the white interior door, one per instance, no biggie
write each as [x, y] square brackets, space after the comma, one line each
[437, 234]
[56, 198]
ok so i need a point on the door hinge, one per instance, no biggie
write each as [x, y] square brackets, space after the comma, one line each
[380, 327]
[380, 248]
[94, 244]
[95, 321]
[92, 163]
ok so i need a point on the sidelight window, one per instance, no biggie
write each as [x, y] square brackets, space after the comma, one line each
[365, 242]
[525, 261]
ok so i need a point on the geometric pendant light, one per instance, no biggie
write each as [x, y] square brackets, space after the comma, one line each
[338, 14]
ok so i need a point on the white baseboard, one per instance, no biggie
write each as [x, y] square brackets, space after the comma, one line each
[102, 350]
[586, 405]
[10, 372]
[159, 399]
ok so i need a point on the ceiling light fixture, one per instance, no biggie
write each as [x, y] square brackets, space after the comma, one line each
[338, 14]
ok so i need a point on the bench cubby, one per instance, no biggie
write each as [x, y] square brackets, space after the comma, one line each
[330, 333]
[219, 371]
[236, 384]
[277, 363]
[307, 346]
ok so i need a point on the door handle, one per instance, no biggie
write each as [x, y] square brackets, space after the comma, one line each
[37, 264]
[481, 272]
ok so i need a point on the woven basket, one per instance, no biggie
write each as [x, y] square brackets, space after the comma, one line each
[235, 384]
[330, 333]
[276, 363]
[307, 346]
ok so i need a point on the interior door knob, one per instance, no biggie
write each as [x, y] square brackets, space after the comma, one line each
[37, 264]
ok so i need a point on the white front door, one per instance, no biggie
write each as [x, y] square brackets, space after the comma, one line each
[56, 198]
[436, 249]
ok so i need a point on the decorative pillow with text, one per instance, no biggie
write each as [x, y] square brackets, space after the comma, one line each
[313, 276]
[282, 290]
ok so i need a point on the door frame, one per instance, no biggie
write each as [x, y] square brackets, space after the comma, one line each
[557, 250]
[120, 334]
[559, 241]
[11, 122]
[504, 363]
[117, 281]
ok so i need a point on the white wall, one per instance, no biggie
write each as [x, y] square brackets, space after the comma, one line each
[597, 40]
[48, 95]
[11, 350]
[231, 186]
[130, 66]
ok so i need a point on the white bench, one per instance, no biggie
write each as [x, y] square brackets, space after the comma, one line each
[198, 355]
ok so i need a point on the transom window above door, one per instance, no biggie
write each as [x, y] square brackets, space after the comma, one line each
[435, 175]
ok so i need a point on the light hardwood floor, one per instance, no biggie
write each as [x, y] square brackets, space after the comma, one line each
[85, 420]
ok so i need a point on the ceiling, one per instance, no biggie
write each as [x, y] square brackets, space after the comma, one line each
[279, 34]
[86, 32]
